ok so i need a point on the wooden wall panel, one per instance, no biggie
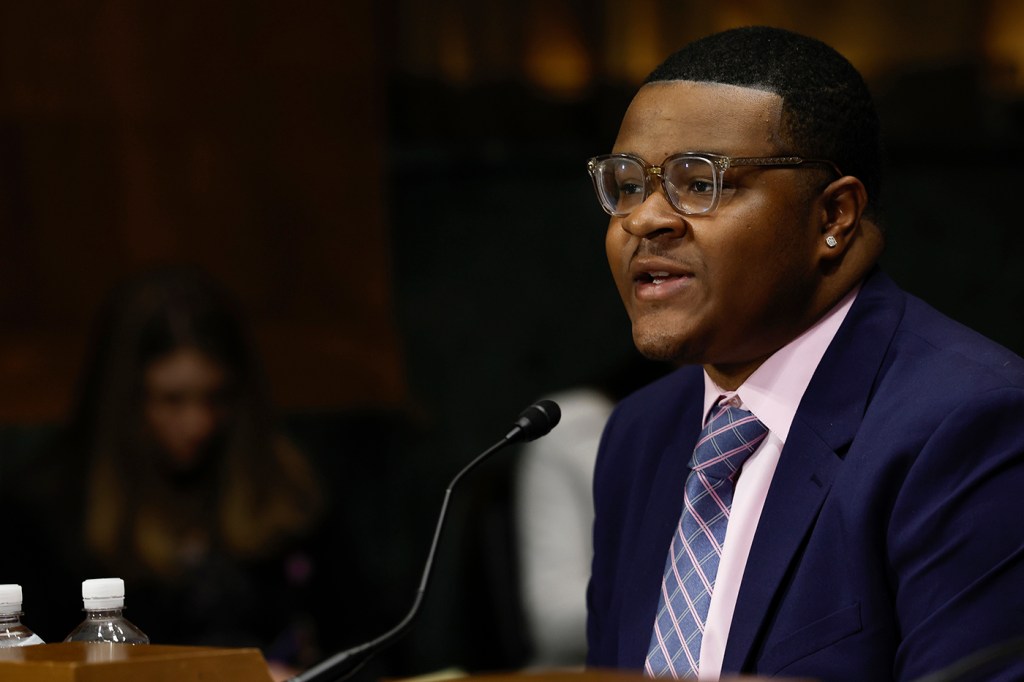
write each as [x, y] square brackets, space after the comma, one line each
[246, 137]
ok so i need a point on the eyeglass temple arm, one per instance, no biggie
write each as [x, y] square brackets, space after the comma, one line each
[783, 162]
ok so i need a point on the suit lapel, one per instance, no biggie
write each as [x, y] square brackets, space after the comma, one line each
[799, 487]
[823, 428]
[660, 518]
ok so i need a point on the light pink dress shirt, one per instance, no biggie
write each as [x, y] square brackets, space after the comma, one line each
[772, 393]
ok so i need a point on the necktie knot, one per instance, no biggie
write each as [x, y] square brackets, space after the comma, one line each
[730, 436]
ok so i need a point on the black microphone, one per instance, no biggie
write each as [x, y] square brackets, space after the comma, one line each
[535, 421]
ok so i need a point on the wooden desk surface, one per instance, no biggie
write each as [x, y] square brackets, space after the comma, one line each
[567, 675]
[81, 662]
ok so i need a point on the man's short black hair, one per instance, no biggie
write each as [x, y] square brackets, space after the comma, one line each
[828, 111]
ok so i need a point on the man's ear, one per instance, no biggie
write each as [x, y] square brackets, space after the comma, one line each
[843, 204]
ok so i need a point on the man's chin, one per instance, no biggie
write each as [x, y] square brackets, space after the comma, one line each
[661, 347]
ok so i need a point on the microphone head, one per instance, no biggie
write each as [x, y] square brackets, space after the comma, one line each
[535, 421]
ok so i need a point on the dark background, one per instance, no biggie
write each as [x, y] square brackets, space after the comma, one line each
[396, 191]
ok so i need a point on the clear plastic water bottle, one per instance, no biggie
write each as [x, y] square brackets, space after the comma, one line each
[103, 601]
[12, 632]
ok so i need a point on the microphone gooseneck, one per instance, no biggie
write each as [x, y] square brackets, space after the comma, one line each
[535, 421]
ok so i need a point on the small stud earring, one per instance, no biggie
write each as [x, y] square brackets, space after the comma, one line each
[831, 241]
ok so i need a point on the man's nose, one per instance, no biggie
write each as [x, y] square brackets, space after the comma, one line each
[655, 218]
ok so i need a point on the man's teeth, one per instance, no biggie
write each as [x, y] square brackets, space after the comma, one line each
[658, 277]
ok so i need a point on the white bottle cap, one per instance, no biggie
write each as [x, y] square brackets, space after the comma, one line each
[103, 593]
[10, 599]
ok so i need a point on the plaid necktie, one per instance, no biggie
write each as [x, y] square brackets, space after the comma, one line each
[730, 436]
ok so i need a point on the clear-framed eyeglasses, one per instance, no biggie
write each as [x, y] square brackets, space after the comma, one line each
[692, 181]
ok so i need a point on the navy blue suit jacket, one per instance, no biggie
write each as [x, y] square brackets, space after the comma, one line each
[892, 539]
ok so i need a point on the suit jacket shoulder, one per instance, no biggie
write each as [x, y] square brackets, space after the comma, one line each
[885, 506]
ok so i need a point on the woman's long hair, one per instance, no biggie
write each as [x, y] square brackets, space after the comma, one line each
[256, 490]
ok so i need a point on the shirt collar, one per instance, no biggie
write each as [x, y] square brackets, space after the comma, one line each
[773, 392]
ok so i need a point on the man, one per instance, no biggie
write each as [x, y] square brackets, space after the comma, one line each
[874, 528]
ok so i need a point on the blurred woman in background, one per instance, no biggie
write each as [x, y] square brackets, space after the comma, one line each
[172, 475]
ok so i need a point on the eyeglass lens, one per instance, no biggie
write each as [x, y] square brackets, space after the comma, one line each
[689, 182]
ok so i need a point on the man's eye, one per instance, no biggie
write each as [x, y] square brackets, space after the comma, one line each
[628, 188]
[701, 186]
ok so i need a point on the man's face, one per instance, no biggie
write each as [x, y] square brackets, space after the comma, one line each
[725, 289]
